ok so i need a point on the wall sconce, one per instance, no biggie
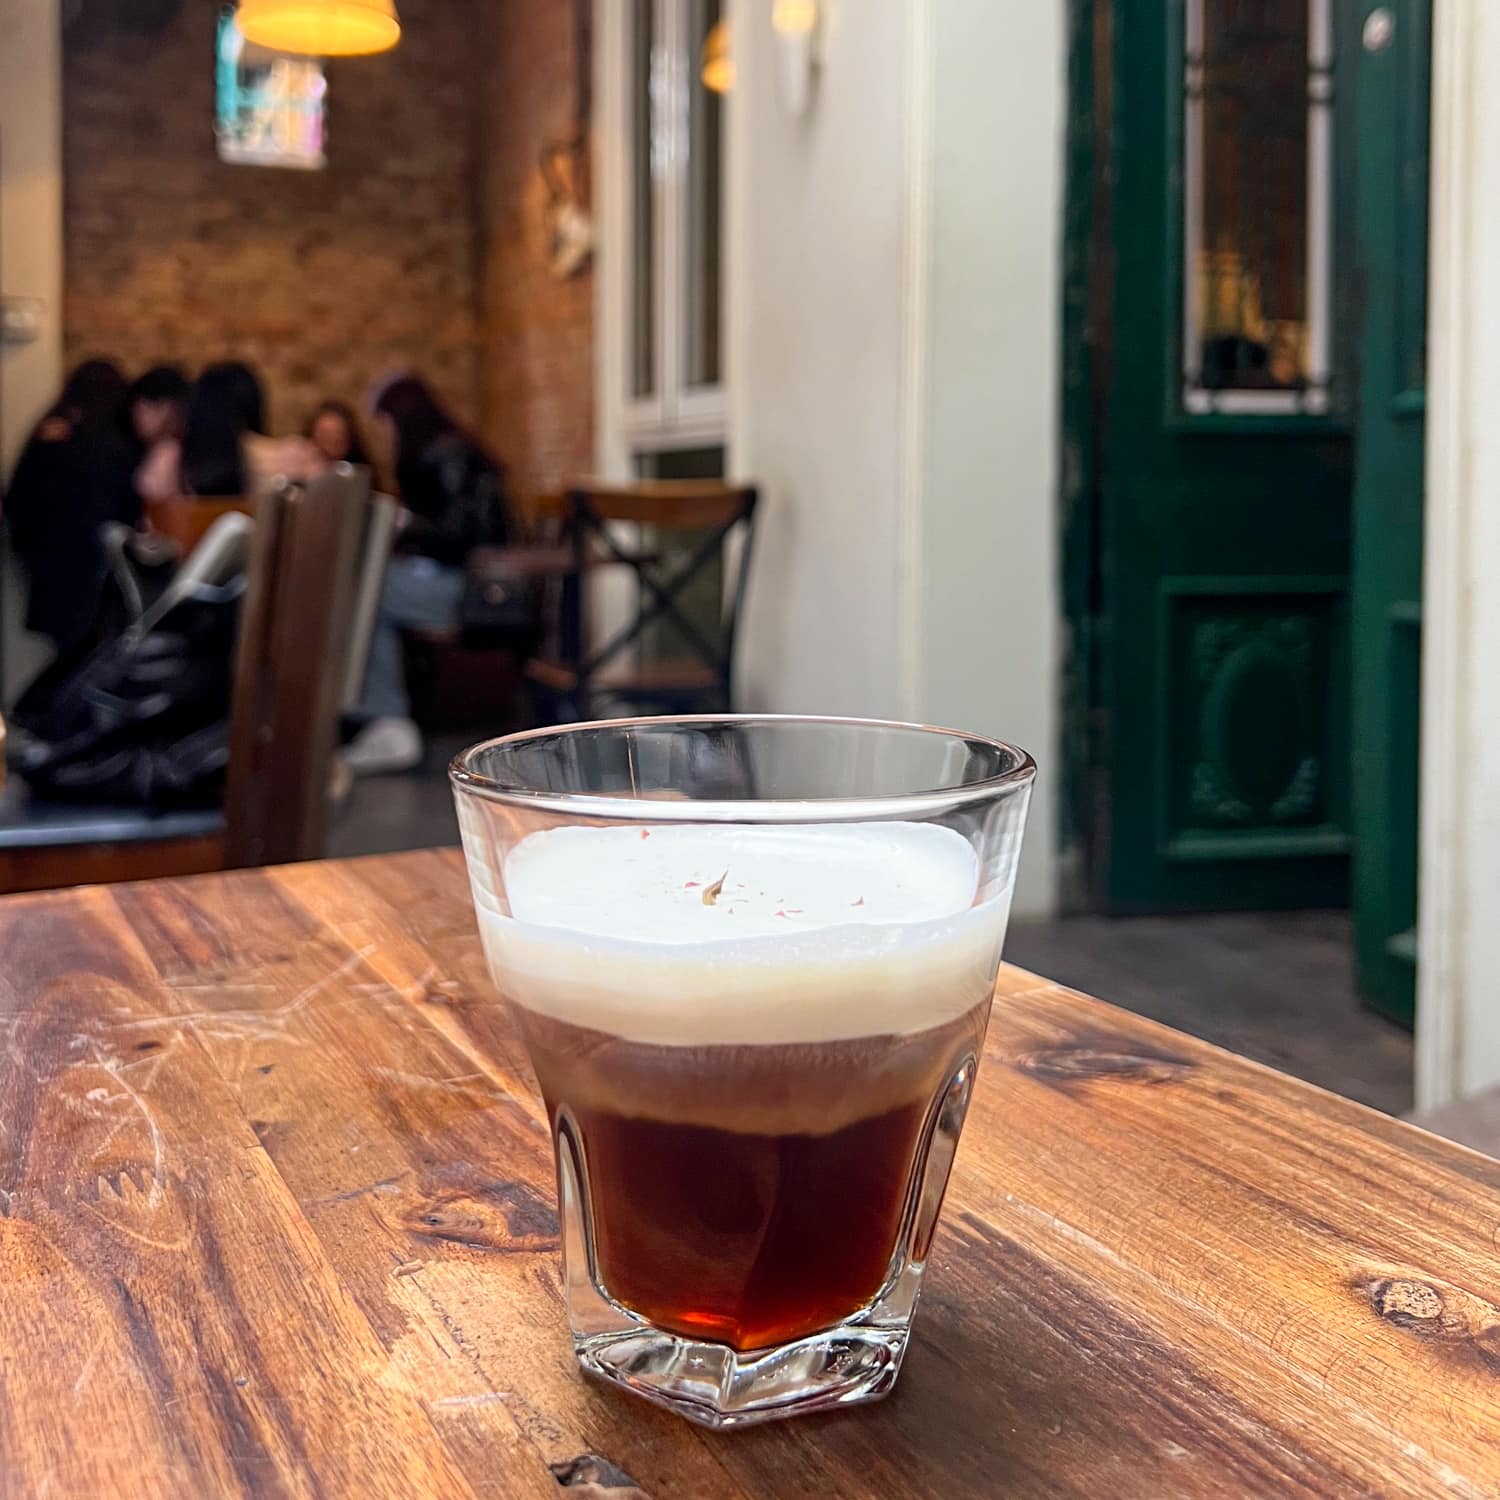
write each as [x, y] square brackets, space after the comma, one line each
[795, 24]
[320, 28]
[716, 65]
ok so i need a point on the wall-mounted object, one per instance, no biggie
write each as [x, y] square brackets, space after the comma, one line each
[796, 25]
[716, 65]
[570, 226]
[21, 319]
[269, 108]
[321, 28]
[571, 233]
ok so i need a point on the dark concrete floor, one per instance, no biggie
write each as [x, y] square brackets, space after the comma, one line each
[1275, 987]
[384, 814]
[1278, 987]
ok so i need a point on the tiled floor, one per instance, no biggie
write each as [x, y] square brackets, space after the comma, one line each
[1276, 988]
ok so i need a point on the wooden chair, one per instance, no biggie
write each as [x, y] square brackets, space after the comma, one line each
[572, 675]
[299, 613]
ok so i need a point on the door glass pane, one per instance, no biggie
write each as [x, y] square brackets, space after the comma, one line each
[642, 354]
[702, 354]
[1256, 205]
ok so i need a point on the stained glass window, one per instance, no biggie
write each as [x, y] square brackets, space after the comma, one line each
[270, 106]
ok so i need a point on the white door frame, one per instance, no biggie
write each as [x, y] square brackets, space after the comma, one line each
[1458, 1011]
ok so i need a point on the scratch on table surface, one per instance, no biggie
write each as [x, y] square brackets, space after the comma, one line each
[479, 1398]
[385, 1185]
[242, 1024]
[111, 1065]
[104, 1099]
[425, 1081]
[88, 1369]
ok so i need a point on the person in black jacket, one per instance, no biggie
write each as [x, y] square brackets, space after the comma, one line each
[73, 475]
[453, 500]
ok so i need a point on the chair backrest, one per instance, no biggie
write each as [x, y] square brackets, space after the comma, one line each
[295, 635]
[716, 509]
[375, 553]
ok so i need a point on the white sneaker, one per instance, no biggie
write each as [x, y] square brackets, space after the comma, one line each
[384, 746]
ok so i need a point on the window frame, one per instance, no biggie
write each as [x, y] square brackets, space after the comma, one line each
[674, 414]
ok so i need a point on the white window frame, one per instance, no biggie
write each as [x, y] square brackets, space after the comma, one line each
[674, 415]
[1312, 400]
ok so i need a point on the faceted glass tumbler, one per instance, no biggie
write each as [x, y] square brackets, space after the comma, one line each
[751, 959]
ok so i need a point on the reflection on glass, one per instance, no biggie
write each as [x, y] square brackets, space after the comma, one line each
[642, 201]
[1256, 214]
[702, 354]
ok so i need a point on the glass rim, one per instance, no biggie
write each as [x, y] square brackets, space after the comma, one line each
[918, 803]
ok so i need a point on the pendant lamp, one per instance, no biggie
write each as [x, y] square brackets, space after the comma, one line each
[320, 28]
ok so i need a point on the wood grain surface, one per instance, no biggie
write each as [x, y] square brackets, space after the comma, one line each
[276, 1219]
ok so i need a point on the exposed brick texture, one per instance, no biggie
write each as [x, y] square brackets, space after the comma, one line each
[537, 361]
[321, 279]
[423, 243]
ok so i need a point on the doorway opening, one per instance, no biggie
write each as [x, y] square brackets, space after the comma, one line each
[1244, 317]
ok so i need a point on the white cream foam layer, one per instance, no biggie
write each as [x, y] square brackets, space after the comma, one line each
[819, 932]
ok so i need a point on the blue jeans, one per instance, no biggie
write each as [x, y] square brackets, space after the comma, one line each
[417, 592]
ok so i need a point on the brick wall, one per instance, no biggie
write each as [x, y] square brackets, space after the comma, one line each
[321, 279]
[536, 374]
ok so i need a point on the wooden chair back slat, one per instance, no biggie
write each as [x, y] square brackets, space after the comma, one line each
[677, 504]
[295, 629]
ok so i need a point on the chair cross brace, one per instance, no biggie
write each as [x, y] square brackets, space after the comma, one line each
[664, 596]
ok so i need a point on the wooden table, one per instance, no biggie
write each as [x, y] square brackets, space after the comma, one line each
[276, 1219]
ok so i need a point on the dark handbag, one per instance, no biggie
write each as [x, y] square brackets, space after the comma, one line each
[139, 567]
[145, 719]
[499, 598]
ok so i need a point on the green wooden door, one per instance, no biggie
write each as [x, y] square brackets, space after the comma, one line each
[1389, 47]
[1221, 466]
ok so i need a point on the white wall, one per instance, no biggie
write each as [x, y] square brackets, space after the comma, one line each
[30, 208]
[30, 260]
[1458, 996]
[990, 318]
[893, 341]
[818, 222]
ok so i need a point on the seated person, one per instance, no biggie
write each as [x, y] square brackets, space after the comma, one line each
[157, 404]
[224, 450]
[333, 430]
[73, 475]
[453, 500]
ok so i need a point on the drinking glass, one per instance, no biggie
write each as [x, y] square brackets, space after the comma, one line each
[751, 959]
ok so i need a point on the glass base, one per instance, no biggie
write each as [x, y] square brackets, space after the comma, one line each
[717, 1386]
[714, 1385]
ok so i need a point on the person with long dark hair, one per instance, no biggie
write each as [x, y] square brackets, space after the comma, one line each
[155, 415]
[333, 429]
[157, 404]
[453, 500]
[226, 410]
[224, 449]
[66, 484]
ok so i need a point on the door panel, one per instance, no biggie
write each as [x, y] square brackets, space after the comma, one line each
[1390, 51]
[1224, 473]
